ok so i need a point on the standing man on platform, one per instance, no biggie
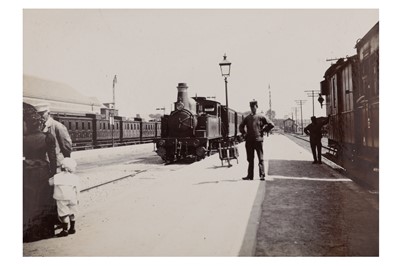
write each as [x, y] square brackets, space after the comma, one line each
[314, 131]
[256, 125]
[59, 132]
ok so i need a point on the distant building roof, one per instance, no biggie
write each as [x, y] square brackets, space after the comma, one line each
[62, 97]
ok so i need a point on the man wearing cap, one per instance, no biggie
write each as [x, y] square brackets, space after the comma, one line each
[58, 130]
[256, 125]
[314, 130]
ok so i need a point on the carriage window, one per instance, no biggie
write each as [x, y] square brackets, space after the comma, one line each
[76, 125]
[88, 125]
[117, 126]
[334, 92]
[69, 125]
[209, 109]
[109, 126]
[83, 125]
[376, 80]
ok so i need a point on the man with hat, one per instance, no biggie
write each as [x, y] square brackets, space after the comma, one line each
[314, 130]
[256, 125]
[59, 132]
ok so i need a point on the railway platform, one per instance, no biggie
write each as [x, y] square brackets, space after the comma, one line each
[205, 209]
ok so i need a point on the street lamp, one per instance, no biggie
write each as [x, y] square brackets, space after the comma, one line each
[320, 99]
[225, 66]
[227, 151]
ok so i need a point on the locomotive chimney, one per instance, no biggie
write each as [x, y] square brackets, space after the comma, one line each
[184, 98]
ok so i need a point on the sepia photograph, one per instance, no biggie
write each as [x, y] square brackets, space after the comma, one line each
[200, 132]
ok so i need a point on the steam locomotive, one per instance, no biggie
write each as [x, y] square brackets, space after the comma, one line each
[195, 127]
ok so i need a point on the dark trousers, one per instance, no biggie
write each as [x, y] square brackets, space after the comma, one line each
[316, 146]
[258, 147]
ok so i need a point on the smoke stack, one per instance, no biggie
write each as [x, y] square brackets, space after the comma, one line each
[183, 97]
[182, 94]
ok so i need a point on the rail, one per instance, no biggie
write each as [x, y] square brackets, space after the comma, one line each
[111, 181]
[330, 149]
[109, 144]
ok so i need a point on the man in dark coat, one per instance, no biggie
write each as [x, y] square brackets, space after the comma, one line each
[314, 130]
[39, 164]
[256, 125]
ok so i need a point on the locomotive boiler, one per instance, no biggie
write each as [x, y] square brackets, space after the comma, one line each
[195, 127]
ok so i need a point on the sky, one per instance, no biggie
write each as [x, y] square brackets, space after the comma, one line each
[153, 50]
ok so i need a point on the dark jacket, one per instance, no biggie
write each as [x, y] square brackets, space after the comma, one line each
[314, 129]
[256, 125]
[41, 146]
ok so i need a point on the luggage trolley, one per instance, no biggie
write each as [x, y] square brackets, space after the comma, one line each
[227, 152]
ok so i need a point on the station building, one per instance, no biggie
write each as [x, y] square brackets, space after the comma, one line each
[61, 97]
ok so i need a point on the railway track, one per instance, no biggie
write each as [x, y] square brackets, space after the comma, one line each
[111, 181]
[353, 174]
[108, 145]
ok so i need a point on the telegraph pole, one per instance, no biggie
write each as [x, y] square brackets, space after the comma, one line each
[114, 82]
[113, 110]
[295, 111]
[270, 105]
[301, 102]
[312, 93]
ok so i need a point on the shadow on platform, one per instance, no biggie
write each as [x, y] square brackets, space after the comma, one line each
[291, 168]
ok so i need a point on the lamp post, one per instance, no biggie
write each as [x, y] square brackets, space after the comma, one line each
[225, 66]
[320, 99]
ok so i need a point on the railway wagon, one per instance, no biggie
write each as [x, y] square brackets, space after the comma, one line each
[351, 86]
[130, 130]
[229, 117]
[106, 131]
[97, 131]
[80, 128]
[367, 97]
[339, 86]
